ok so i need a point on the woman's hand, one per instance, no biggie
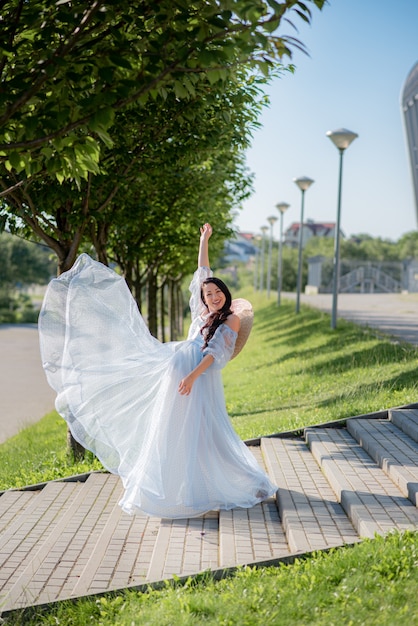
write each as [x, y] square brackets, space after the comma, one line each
[206, 231]
[186, 385]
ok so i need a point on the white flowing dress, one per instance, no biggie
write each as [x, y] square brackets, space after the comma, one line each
[117, 388]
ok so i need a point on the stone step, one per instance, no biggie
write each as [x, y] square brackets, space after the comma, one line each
[311, 515]
[25, 535]
[392, 449]
[71, 539]
[56, 540]
[372, 501]
[123, 553]
[251, 535]
[406, 420]
[184, 546]
[12, 503]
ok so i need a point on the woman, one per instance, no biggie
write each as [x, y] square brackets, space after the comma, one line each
[152, 412]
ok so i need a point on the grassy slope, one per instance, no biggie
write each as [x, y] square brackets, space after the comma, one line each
[293, 372]
[296, 371]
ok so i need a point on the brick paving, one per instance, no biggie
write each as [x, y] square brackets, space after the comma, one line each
[335, 486]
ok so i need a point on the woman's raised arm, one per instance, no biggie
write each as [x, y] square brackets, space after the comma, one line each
[205, 234]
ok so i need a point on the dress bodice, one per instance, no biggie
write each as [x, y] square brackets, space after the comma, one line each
[222, 344]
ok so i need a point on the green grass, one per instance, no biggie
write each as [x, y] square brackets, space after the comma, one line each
[38, 454]
[294, 371]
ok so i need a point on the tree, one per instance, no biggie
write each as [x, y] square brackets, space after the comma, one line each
[159, 164]
[71, 70]
[22, 264]
[67, 67]
[407, 246]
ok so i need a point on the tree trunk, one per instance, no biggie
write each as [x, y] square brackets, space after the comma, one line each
[179, 309]
[100, 236]
[75, 450]
[162, 311]
[173, 312]
[152, 303]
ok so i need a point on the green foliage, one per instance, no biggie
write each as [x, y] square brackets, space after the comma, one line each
[121, 122]
[23, 262]
[16, 307]
[38, 453]
[320, 246]
[166, 173]
[364, 247]
[67, 67]
[408, 246]
[289, 269]
[369, 248]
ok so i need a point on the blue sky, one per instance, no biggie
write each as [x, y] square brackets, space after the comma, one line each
[361, 52]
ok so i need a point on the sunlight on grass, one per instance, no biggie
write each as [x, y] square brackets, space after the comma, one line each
[296, 371]
[38, 454]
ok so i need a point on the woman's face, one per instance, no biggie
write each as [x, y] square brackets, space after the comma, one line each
[214, 297]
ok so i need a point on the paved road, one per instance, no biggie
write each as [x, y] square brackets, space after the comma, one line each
[392, 313]
[25, 396]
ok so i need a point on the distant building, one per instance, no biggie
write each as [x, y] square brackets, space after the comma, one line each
[239, 249]
[310, 229]
[409, 103]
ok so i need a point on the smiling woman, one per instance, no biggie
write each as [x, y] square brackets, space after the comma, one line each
[153, 413]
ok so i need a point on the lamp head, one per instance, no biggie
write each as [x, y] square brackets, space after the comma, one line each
[282, 207]
[272, 219]
[303, 182]
[341, 138]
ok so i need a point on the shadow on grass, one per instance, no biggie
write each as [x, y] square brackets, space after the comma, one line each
[380, 354]
[396, 383]
[310, 324]
[270, 409]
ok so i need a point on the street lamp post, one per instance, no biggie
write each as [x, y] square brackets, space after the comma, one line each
[303, 183]
[264, 230]
[281, 207]
[341, 138]
[257, 240]
[271, 220]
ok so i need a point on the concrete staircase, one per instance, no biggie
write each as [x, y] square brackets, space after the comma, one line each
[336, 484]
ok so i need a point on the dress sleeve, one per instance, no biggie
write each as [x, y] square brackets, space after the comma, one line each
[222, 345]
[197, 307]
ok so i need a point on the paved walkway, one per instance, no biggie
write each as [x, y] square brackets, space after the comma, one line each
[336, 485]
[25, 396]
[393, 313]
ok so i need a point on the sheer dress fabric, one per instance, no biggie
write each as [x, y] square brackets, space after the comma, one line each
[117, 387]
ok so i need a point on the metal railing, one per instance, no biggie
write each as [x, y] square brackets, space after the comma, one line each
[369, 279]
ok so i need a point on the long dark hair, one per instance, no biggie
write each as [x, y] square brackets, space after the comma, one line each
[219, 317]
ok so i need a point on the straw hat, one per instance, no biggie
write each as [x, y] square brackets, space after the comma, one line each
[242, 309]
